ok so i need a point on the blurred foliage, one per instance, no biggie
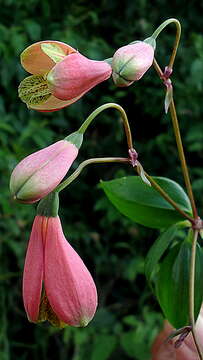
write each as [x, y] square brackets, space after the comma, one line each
[113, 247]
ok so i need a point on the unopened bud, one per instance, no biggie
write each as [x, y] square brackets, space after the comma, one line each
[130, 63]
[39, 173]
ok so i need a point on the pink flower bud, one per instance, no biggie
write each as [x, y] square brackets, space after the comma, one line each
[130, 63]
[59, 79]
[56, 284]
[166, 350]
[39, 173]
[76, 74]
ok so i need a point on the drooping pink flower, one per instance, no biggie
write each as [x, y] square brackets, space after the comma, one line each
[61, 75]
[163, 350]
[76, 74]
[39, 173]
[130, 63]
[57, 286]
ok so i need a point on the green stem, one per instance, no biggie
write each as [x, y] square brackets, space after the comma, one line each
[167, 197]
[182, 157]
[180, 147]
[89, 162]
[96, 112]
[177, 39]
[192, 292]
[158, 69]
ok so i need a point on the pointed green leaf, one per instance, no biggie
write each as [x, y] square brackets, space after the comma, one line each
[157, 250]
[143, 204]
[172, 286]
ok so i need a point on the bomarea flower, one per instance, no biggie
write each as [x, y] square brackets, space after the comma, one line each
[130, 62]
[165, 350]
[39, 173]
[57, 286]
[60, 75]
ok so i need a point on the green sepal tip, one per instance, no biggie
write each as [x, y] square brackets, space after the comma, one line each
[75, 138]
[151, 41]
[49, 205]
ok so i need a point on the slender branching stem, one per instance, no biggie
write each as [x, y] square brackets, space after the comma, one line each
[189, 191]
[179, 146]
[96, 112]
[77, 172]
[182, 157]
[177, 39]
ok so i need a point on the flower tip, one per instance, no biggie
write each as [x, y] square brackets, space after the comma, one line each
[84, 321]
[120, 81]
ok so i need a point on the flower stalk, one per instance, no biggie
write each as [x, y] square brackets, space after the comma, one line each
[177, 39]
[96, 112]
[77, 172]
[179, 146]
[187, 183]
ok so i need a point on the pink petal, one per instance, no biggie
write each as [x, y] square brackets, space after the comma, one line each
[69, 286]
[35, 61]
[162, 350]
[75, 75]
[33, 271]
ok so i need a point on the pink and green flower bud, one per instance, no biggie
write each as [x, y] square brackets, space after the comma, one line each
[130, 63]
[58, 79]
[39, 173]
[75, 75]
[57, 286]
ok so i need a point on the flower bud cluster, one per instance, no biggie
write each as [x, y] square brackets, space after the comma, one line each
[61, 75]
[56, 284]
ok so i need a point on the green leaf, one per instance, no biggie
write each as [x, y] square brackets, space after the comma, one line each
[172, 287]
[157, 250]
[103, 347]
[143, 204]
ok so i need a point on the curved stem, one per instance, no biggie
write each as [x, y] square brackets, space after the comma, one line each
[96, 112]
[177, 39]
[192, 291]
[156, 186]
[77, 172]
[158, 69]
[179, 146]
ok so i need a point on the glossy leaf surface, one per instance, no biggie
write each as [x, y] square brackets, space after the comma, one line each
[143, 204]
[158, 248]
[172, 288]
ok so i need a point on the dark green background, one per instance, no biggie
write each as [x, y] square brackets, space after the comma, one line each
[113, 248]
